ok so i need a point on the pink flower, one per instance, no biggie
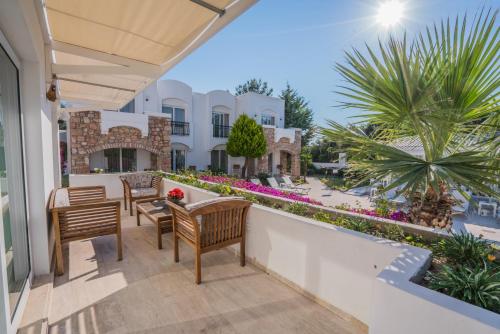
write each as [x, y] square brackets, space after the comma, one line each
[242, 184]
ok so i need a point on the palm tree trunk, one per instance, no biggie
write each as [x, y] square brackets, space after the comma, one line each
[433, 209]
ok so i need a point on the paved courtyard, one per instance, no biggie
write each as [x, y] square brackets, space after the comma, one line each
[487, 227]
[329, 197]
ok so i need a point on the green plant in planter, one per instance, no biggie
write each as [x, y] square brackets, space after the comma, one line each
[300, 209]
[394, 232]
[222, 189]
[479, 285]
[358, 225]
[464, 249]
[322, 216]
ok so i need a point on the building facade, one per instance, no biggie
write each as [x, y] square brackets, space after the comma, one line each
[170, 127]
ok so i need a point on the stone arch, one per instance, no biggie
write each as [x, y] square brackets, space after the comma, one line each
[86, 138]
[118, 145]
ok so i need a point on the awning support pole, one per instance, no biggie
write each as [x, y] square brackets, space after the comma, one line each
[210, 7]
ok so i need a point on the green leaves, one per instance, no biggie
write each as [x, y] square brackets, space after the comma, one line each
[464, 249]
[479, 285]
[246, 139]
[441, 90]
[254, 85]
[298, 114]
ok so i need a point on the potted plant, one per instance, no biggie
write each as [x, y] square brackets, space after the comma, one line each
[175, 195]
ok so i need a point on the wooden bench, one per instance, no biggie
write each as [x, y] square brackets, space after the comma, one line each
[81, 213]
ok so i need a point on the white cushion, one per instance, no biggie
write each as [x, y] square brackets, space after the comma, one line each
[140, 192]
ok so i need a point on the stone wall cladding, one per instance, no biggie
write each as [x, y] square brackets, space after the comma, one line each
[86, 138]
[284, 145]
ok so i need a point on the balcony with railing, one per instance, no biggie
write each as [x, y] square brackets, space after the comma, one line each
[180, 128]
[221, 131]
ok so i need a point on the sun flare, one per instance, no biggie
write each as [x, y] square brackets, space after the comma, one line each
[390, 13]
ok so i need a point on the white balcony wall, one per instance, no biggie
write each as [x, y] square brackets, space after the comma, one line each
[366, 277]
[111, 119]
[255, 105]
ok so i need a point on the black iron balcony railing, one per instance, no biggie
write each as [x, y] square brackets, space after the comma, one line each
[221, 131]
[180, 128]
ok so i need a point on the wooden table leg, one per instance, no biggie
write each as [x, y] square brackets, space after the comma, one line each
[138, 219]
[158, 232]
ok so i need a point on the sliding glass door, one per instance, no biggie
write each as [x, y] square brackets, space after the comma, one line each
[13, 231]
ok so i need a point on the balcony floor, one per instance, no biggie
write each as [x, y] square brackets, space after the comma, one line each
[148, 293]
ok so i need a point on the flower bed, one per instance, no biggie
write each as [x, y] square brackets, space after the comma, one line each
[243, 184]
[379, 212]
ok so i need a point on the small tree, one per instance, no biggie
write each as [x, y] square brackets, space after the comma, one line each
[254, 85]
[246, 139]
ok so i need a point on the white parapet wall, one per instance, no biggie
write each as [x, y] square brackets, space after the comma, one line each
[367, 277]
[114, 188]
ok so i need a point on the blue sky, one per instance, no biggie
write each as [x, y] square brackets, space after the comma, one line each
[300, 42]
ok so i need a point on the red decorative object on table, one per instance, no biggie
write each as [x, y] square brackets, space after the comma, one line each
[175, 195]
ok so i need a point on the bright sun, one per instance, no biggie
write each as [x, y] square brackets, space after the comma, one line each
[390, 12]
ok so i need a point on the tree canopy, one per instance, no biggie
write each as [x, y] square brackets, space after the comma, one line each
[254, 85]
[246, 139]
[440, 90]
[298, 114]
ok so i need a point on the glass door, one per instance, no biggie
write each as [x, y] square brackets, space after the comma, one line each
[14, 230]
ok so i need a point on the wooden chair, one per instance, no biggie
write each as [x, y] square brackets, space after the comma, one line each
[81, 213]
[210, 225]
[139, 186]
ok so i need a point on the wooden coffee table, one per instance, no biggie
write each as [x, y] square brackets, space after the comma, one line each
[158, 212]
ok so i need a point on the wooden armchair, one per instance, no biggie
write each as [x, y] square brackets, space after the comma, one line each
[139, 186]
[210, 225]
[81, 213]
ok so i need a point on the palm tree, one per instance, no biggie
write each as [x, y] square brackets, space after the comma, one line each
[442, 91]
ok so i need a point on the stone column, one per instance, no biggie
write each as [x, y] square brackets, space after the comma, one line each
[295, 165]
[262, 164]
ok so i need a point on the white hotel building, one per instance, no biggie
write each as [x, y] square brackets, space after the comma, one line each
[197, 133]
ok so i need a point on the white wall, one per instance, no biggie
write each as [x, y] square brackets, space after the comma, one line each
[143, 159]
[254, 104]
[20, 25]
[199, 114]
[114, 188]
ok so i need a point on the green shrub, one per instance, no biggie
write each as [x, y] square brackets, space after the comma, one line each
[358, 225]
[479, 285]
[221, 188]
[300, 209]
[322, 216]
[394, 232]
[464, 249]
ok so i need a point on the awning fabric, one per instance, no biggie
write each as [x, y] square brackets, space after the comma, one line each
[106, 51]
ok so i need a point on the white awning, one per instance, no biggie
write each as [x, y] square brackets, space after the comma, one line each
[104, 52]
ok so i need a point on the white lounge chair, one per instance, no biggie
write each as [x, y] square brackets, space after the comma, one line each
[274, 184]
[289, 183]
[256, 181]
[463, 205]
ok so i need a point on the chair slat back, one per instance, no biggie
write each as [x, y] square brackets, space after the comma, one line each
[81, 195]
